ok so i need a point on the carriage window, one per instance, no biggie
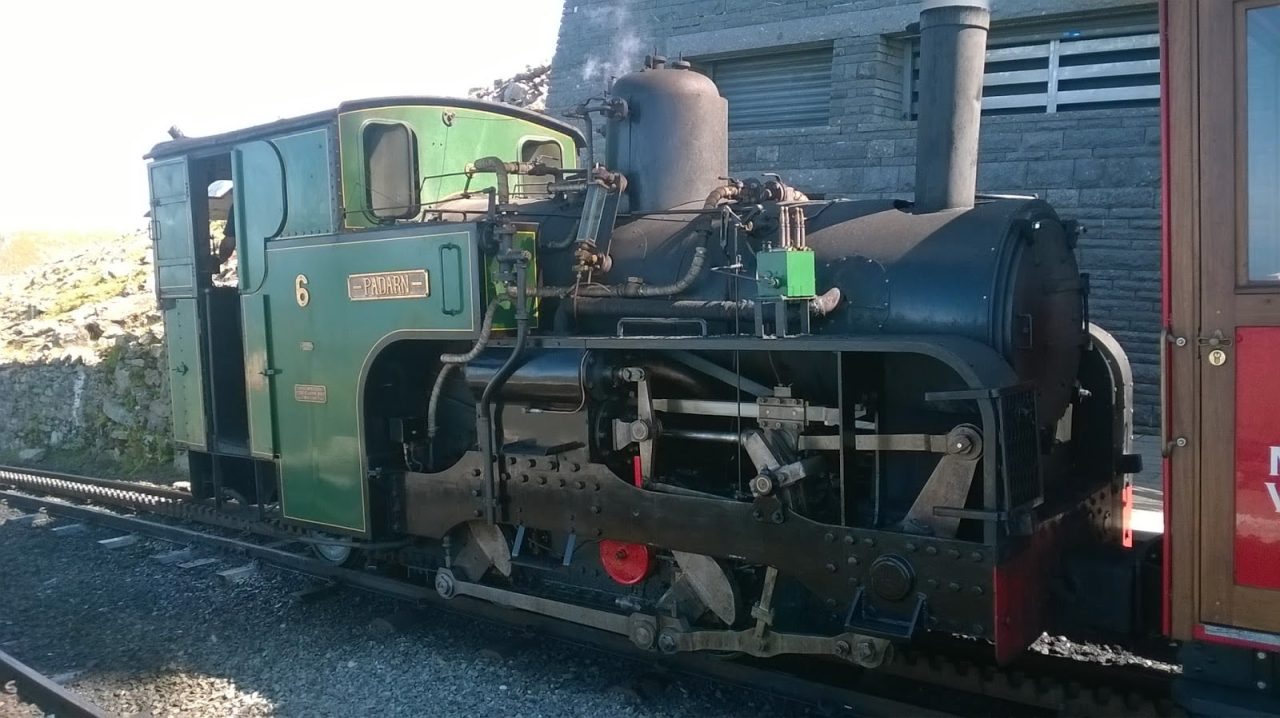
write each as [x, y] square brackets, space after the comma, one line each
[1262, 115]
[390, 170]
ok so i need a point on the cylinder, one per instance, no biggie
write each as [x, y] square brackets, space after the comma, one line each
[673, 142]
[953, 49]
[546, 379]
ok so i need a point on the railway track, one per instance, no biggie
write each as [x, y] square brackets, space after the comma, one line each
[30, 686]
[917, 682]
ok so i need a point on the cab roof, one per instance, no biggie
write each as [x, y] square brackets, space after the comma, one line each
[188, 145]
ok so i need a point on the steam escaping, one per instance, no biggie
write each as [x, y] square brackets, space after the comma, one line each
[619, 47]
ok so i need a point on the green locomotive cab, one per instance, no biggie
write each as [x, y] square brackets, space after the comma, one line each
[339, 256]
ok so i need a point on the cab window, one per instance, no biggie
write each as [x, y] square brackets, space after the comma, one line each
[545, 152]
[390, 170]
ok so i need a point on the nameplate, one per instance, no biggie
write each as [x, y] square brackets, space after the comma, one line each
[406, 284]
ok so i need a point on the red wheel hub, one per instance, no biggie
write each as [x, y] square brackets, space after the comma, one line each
[626, 563]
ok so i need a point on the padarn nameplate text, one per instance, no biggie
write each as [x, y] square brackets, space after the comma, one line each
[404, 284]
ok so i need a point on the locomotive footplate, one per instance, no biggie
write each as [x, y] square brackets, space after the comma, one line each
[887, 584]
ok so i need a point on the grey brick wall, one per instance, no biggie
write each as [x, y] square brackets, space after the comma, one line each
[1098, 166]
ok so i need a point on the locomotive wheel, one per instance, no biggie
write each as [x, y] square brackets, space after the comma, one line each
[336, 554]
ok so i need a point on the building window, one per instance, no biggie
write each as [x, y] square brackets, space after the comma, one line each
[1064, 74]
[777, 89]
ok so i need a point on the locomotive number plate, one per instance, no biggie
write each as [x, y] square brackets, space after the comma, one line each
[388, 285]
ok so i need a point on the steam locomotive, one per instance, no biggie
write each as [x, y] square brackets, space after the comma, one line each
[707, 413]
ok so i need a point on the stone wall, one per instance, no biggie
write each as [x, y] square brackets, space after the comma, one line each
[82, 362]
[1098, 166]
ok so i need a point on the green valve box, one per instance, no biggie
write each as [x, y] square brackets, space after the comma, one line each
[786, 273]
[505, 317]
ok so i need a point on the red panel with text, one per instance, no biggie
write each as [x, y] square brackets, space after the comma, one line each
[1257, 549]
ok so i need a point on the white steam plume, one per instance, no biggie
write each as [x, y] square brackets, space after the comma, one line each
[620, 46]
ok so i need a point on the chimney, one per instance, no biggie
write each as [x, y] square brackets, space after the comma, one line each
[953, 50]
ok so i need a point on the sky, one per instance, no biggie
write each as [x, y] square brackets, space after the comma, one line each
[87, 87]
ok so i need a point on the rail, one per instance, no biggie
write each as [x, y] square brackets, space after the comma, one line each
[33, 687]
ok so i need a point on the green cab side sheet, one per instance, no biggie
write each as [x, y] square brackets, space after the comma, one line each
[448, 138]
[332, 305]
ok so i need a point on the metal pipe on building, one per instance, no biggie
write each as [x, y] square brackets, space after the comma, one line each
[953, 50]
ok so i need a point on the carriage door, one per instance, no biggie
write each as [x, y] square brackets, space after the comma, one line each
[176, 290]
[1238, 343]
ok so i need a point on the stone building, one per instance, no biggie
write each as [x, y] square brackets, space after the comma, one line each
[821, 91]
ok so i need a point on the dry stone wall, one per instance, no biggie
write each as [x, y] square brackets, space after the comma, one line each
[82, 360]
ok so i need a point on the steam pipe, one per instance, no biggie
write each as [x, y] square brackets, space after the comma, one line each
[695, 309]
[820, 305]
[451, 362]
[720, 194]
[681, 285]
[499, 168]
[484, 420]
[503, 169]
[953, 46]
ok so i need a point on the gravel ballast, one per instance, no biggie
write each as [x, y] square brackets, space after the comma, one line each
[141, 638]
[12, 707]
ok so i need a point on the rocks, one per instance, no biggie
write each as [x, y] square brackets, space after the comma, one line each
[117, 412]
[527, 89]
[82, 358]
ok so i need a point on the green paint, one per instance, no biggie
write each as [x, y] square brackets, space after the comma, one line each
[257, 374]
[186, 381]
[442, 149]
[309, 189]
[786, 273]
[333, 340]
[171, 229]
[289, 226]
[258, 176]
[505, 316]
[176, 281]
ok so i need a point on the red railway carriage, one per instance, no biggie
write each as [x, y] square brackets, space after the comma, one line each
[1221, 340]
